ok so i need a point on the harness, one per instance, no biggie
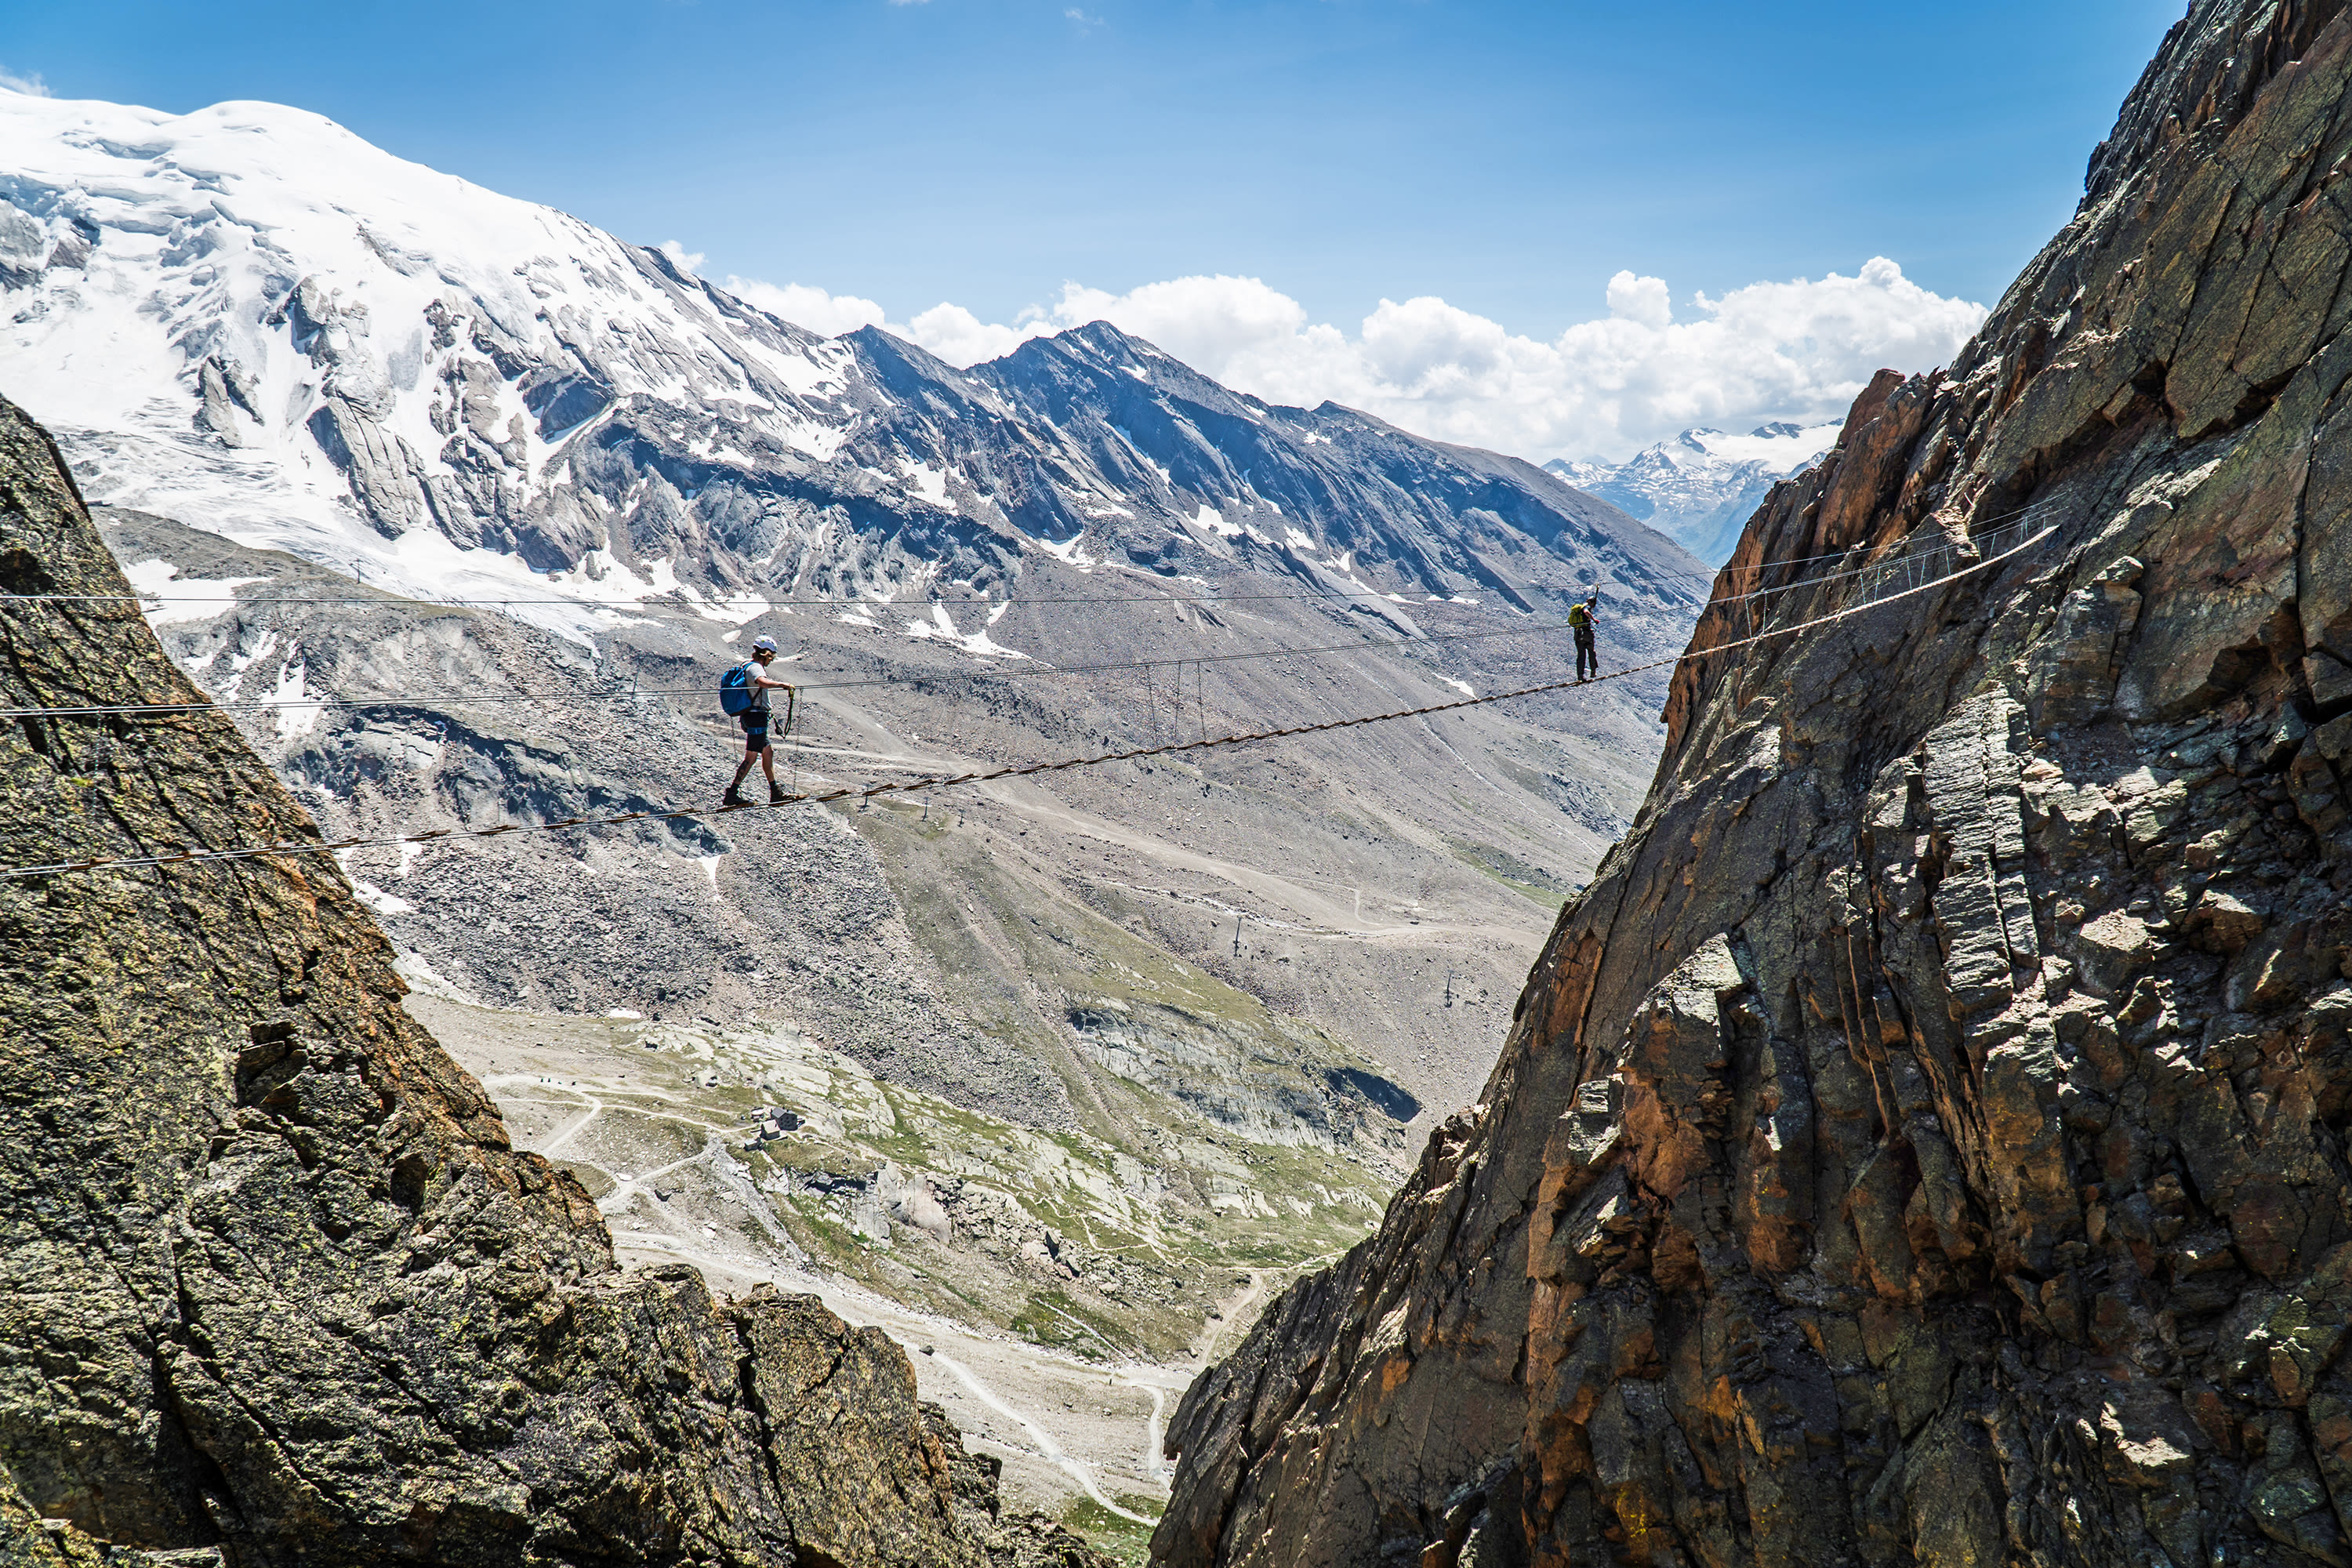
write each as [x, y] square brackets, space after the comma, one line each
[757, 718]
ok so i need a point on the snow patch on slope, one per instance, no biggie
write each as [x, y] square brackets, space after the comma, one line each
[942, 627]
[250, 316]
[189, 598]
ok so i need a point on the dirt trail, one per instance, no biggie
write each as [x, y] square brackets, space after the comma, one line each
[1004, 1376]
[1046, 1443]
[1231, 1312]
[1008, 1377]
[595, 1109]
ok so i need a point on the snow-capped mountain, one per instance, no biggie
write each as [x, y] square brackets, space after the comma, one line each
[249, 317]
[1701, 486]
[256, 335]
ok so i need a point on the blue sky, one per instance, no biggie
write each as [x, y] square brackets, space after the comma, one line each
[1510, 159]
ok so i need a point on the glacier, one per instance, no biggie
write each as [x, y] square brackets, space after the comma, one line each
[1699, 487]
[250, 317]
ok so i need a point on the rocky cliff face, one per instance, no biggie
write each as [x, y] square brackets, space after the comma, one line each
[273, 1285]
[1926, 1139]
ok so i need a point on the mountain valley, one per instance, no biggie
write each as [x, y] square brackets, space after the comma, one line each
[459, 507]
[1221, 1051]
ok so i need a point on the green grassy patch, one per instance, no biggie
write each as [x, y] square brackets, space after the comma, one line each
[1122, 1540]
[1524, 878]
[1054, 1318]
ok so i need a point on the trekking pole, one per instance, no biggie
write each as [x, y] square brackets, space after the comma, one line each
[792, 757]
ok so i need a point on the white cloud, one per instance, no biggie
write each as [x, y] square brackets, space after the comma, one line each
[31, 85]
[832, 314]
[682, 258]
[1643, 299]
[1797, 350]
[961, 338]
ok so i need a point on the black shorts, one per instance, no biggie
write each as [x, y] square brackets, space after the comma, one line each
[755, 732]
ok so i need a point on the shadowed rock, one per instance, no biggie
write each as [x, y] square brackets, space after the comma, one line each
[273, 1283]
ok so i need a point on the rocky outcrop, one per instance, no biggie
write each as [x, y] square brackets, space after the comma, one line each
[1924, 1142]
[274, 1287]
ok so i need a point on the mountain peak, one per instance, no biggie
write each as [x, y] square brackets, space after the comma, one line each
[1107, 337]
[248, 314]
[1699, 485]
[1106, 344]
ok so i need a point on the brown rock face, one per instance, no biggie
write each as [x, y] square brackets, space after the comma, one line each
[273, 1288]
[1926, 1141]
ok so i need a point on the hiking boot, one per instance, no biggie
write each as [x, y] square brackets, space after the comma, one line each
[776, 796]
[731, 799]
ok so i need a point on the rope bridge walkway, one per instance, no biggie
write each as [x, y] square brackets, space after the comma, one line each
[1909, 566]
[1882, 574]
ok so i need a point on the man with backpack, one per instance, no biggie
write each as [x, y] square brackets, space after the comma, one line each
[1580, 621]
[743, 692]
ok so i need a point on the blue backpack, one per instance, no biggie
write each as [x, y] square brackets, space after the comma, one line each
[735, 691]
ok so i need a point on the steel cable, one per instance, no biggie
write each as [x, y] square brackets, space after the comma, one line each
[121, 862]
[1905, 562]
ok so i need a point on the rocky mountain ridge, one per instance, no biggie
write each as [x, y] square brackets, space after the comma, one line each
[248, 315]
[1926, 1139]
[274, 1285]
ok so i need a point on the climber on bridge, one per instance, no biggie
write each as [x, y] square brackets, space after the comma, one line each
[744, 693]
[1579, 620]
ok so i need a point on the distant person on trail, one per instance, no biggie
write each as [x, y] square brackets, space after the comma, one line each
[753, 716]
[1579, 620]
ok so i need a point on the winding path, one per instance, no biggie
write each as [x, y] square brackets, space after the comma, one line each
[916, 1330]
[1076, 1469]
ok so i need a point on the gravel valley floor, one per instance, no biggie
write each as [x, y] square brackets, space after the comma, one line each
[1070, 1385]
